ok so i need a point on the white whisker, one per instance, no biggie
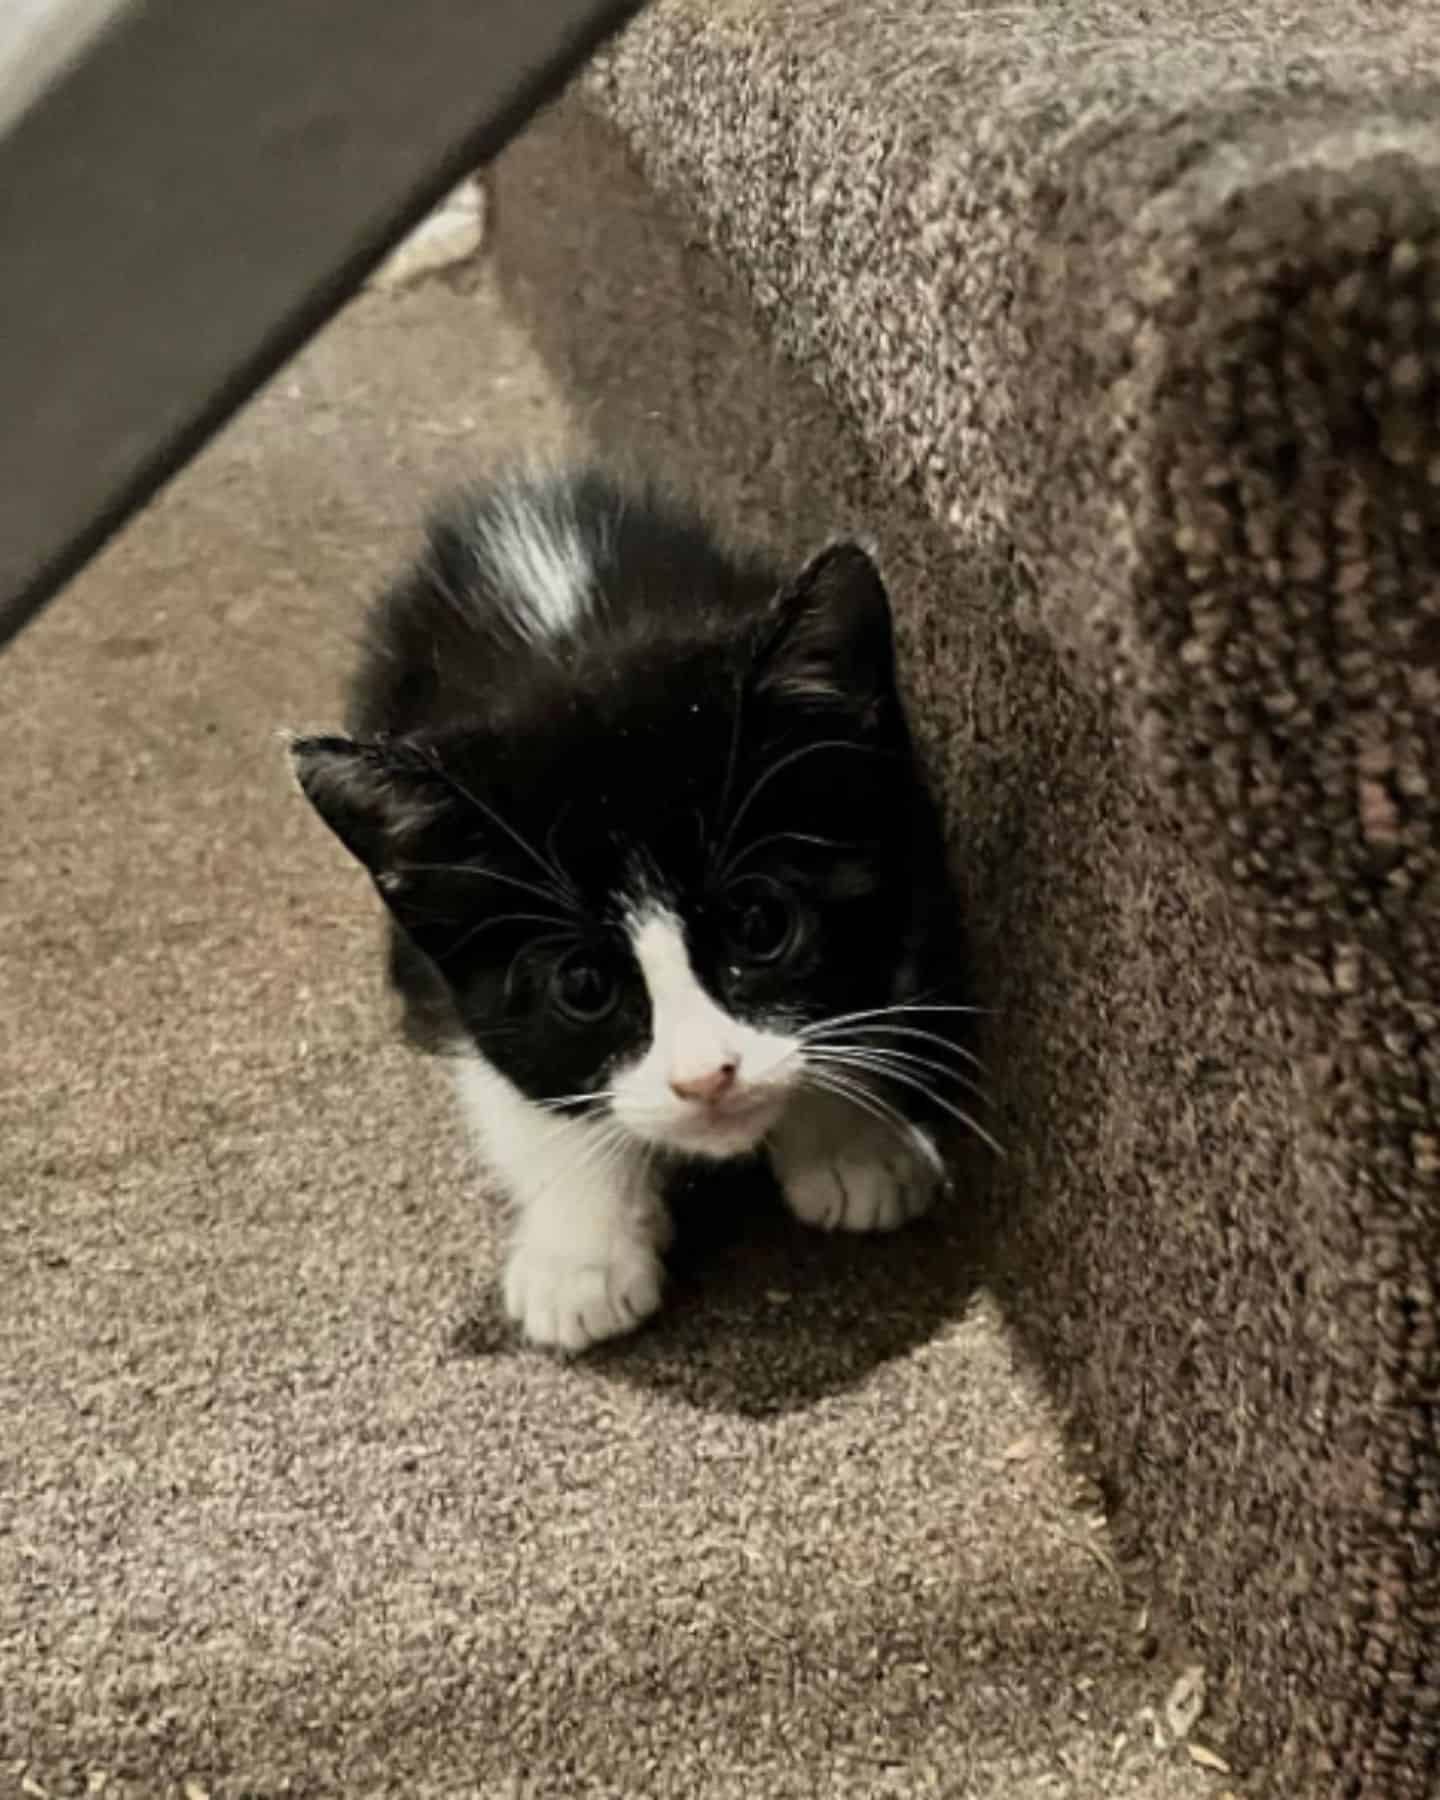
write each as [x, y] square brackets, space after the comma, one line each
[831, 1082]
[887, 1012]
[864, 1036]
[880, 1054]
[738, 861]
[566, 930]
[905, 1079]
[556, 1101]
[867, 1101]
[732, 754]
[478, 871]
[599, 1153]
[778, 768]
[564, 887]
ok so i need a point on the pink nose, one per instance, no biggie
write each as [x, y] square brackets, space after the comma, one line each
[707, 1087]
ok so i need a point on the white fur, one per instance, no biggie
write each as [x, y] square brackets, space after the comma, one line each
[690, 1037]
[538, 560]
[842, 1170]
[589, 1225]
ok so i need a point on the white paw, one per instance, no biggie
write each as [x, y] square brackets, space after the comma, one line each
[568, 1302]
[860, 1193]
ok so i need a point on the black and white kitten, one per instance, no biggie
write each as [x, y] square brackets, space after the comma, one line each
[646, 815]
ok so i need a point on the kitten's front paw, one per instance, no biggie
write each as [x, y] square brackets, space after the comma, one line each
[568, 1303]
[860, 1193]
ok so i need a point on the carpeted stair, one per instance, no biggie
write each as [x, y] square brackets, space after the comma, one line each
[1119, 329]
[285, 1508]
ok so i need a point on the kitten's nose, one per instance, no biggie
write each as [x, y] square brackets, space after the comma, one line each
[709, 1086]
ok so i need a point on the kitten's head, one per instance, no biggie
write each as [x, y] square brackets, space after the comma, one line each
[648, 871]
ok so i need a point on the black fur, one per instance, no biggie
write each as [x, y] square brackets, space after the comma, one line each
[723, 737]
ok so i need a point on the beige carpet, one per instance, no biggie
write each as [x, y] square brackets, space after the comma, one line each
[1126, 321]
[282, 1508]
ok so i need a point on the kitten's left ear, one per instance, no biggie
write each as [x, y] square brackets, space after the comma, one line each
[831, 641]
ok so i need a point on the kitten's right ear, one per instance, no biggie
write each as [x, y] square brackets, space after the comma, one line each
[375, 799]
[831, 639]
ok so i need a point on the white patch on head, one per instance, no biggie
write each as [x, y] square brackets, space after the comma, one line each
[530, 546]
[708, 1084]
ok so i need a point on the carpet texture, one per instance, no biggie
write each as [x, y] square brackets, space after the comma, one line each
[283, 1508]
[1127, 326]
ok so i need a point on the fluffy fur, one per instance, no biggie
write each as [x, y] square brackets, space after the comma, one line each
[660, 868]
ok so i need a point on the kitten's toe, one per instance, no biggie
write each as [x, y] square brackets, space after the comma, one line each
[567, 1304]
[850, 1194]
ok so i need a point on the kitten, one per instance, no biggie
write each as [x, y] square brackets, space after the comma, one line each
[659, 862]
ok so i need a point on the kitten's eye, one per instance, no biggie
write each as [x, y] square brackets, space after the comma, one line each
[585, 989]
[761, 925]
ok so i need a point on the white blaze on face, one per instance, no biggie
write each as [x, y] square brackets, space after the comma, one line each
[708, 1084]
